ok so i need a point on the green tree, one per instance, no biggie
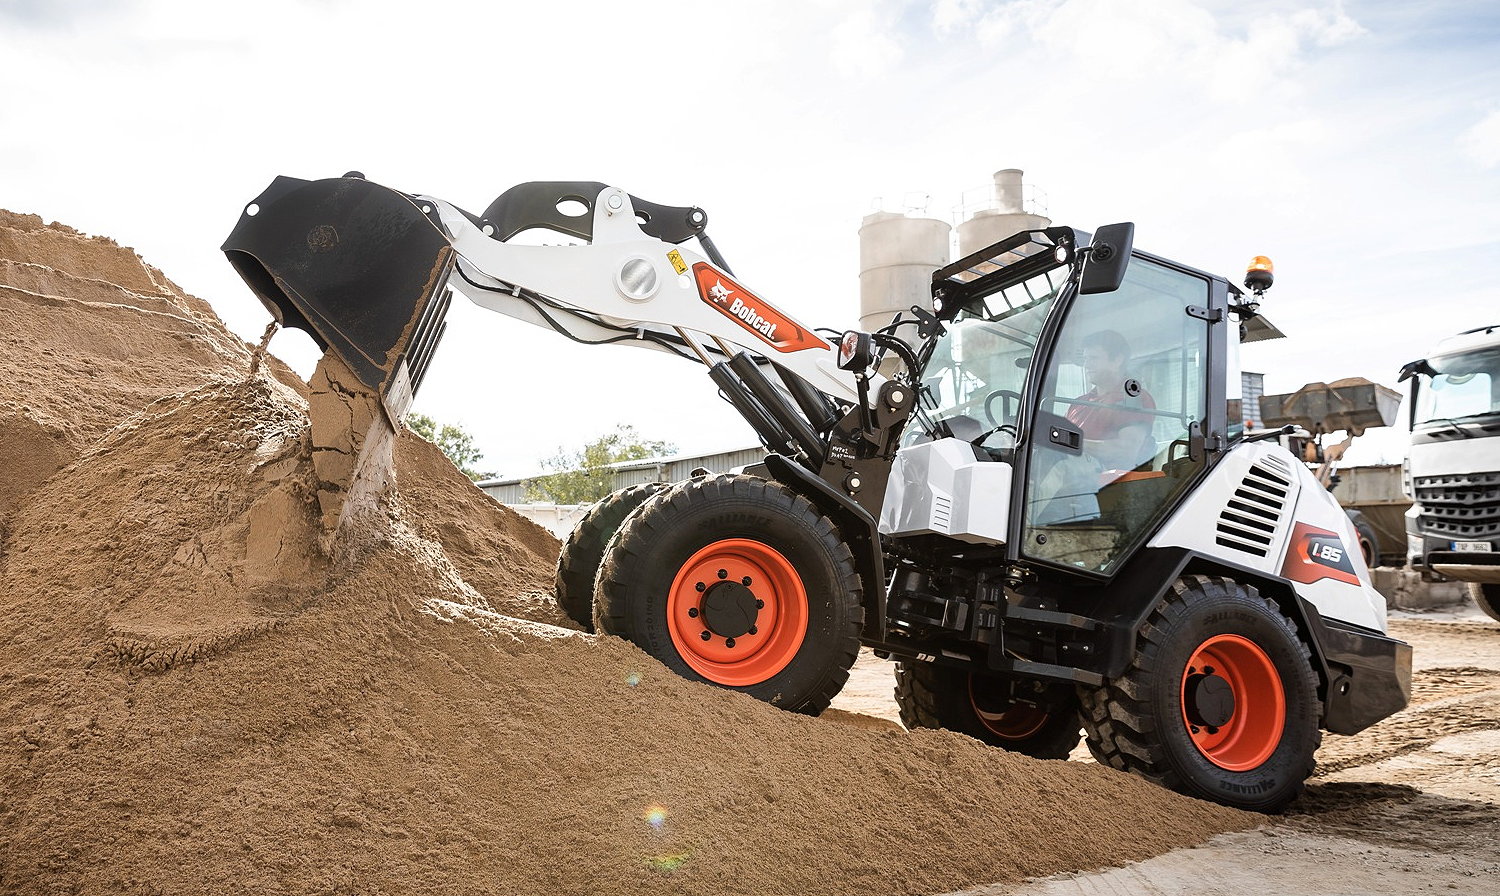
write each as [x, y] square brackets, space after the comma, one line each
[583, 476]
[453, 441]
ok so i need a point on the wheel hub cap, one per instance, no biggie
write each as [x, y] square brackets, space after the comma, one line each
[1210, 702]
[729, 609]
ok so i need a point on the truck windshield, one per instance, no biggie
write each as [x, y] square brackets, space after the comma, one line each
[1465, 385]
[978, 367]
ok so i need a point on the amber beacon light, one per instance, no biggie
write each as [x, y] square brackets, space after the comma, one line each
[1260, 275]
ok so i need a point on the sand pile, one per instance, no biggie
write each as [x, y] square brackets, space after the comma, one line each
[194, 699]
[92, 334]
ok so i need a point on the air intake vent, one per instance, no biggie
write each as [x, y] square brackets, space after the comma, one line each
[942, 512]
[1248, 523]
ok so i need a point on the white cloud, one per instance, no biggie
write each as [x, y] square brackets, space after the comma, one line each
[864, 45]
[1482, 141]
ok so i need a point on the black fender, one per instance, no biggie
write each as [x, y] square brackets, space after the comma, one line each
[861, 531]
[1364, 676]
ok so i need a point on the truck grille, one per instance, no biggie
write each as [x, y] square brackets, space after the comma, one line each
[1248, 522]
[1466, 506]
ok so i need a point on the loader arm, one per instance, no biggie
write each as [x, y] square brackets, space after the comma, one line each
[368, 271]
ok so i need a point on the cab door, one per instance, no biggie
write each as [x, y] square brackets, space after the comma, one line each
[1120, 425]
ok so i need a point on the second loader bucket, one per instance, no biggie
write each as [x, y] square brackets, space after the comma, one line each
[356, 265]
[1354, 404]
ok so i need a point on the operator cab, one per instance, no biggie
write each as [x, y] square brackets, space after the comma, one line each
[1100, 401]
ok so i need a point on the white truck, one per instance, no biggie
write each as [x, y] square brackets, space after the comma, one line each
[1453, 469]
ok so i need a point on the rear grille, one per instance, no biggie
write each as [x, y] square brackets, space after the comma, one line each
[1465, 506]
[1249, 521]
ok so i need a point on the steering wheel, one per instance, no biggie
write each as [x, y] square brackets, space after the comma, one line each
[989, 409]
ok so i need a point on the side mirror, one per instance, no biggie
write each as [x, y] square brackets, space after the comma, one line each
[1415, 367]
[1109, 254]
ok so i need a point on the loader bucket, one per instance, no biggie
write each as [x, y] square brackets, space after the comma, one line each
[1354, 404]
[356, 265]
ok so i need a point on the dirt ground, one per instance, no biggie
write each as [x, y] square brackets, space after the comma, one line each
[1412, 805]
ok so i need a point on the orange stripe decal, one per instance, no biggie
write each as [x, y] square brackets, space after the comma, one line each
[752, 313]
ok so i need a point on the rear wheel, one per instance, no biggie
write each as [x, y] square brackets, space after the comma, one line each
[1220, 701]
[1013, 715]
[1369, 542]
[578, 564]
[740, 582]
[1487, 596]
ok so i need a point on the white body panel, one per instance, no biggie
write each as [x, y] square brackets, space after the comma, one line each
[1209, 522]
[941, 488]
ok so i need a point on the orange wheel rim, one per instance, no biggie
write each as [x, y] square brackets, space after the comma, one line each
[1015, 721]
[709, 597]
[1233, 702]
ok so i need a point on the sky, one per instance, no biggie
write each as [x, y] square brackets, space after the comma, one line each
[1357, 144]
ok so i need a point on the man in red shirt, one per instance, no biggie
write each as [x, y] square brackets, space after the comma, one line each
[1114, 415]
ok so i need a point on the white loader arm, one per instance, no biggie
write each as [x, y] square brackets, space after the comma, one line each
[627, 282]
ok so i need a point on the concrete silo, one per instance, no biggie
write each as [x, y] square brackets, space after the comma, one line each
[996, 213]
[897, 255]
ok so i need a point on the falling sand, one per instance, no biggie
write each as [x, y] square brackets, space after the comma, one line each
[196, 698]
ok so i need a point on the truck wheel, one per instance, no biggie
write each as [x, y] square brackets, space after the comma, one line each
[999, 711]
[1369, 542]
[1487, 596]
[739, 582]
[578, 564]
[1219, 702]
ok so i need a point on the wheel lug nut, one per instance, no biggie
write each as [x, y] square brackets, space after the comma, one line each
[723, 573]
[692, 612]
[1194, 727]
[745, 581]
[1212, 730]
[1208, 670]
[760, 605]
[700, 586]
[706, 636]
[728, 642]
[752, 630]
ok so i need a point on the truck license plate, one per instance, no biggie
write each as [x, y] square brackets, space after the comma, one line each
[1472, 547]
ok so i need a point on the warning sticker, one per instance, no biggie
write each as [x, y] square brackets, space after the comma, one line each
[678, 264]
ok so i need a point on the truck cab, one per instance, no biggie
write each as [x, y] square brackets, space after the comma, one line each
[1453, 470]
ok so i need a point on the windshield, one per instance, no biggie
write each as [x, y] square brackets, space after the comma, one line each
[1465, 385]
[978, 367]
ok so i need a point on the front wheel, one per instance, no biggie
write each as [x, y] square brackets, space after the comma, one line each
[1487, 596]
[739, 582]
[578, 563]
[1219, 702]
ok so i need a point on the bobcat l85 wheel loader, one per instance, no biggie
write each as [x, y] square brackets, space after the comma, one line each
[1041, 514]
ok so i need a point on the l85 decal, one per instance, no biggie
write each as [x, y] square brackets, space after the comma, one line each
[1316, 554]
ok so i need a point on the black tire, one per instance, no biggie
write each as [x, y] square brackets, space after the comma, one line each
[798, 567]
[1143, 722]
[1487, 596]
[1369, 542]
[1002, 712]
[578, 564]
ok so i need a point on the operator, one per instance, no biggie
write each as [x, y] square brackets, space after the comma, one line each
[1113, 414]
